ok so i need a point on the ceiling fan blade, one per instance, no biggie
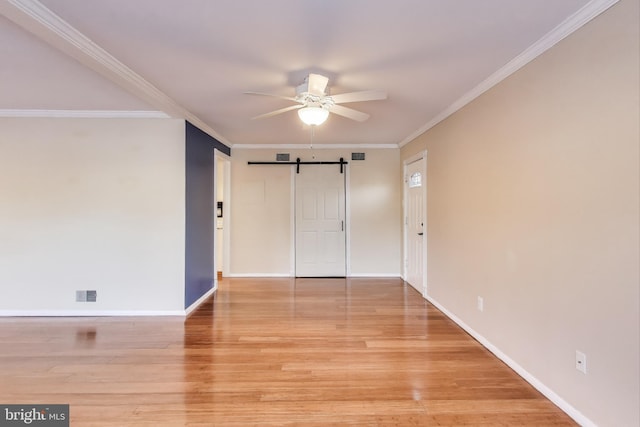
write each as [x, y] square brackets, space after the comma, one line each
[349, 113]
[276, 112]
[317, 84]
[288, 98]
[365, 95]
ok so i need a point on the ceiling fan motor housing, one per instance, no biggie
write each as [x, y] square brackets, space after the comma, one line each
[312, 100]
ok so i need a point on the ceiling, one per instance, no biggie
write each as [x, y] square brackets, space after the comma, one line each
[194, 59]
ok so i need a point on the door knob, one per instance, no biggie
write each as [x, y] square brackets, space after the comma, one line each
[420, 234]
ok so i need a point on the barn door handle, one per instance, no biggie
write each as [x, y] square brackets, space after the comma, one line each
[342, 225]
[420, 234]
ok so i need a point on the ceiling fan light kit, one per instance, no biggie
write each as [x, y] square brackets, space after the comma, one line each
[313, 116]
[314, 103]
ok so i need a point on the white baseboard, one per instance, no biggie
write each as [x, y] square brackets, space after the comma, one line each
[89, 313]
[376, 275]
[109, 313]
[546, 391]
[258, 275]
[202, 299]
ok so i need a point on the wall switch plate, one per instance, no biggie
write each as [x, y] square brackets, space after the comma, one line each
[480, 304]
[581, 362]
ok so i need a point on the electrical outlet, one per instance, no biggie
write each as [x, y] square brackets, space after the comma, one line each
[480, 304]
[581, 362]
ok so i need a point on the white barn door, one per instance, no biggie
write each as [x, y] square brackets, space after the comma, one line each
[320, 228]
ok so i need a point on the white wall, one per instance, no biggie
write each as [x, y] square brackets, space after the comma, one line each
[533, 204]
[261, 226]
[91, 204]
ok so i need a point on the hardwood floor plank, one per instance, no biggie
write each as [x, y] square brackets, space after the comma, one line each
[271, 352]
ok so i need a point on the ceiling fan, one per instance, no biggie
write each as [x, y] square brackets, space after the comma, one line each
[314, 103]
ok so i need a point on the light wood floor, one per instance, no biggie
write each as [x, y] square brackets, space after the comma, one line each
[271, 352]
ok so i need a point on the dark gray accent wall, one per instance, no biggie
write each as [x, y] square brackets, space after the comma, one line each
[195, 134]
[200, 212]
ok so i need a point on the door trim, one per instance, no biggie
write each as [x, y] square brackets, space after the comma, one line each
[347, 219]
[416, 157]
[226, 214]
[292, 223]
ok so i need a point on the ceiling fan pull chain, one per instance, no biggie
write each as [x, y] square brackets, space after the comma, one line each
[313, 156]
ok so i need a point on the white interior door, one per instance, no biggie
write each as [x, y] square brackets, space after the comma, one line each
[415, 224]
[320, 228]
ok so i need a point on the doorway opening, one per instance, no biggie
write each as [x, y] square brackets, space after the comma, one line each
[222, 188]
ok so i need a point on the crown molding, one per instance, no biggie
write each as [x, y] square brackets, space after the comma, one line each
[36, 18]
[568, 26]
[315, 146]
[91, 114]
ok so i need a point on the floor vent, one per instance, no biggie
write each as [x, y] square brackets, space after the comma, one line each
[282, 157]
[357, 156]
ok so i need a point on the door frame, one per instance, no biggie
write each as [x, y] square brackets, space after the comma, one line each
[347, 221]
[226, 214]
[405, 197]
